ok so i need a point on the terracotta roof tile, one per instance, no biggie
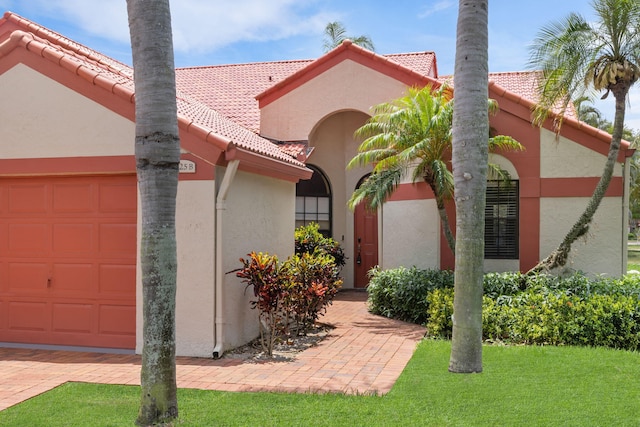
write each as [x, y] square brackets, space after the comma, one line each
[420, 62]
[521, 83]
[232, 89]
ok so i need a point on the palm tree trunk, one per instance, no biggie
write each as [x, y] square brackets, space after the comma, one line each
[446, 226]
[470, 159]
[157, 151]
[559, 257]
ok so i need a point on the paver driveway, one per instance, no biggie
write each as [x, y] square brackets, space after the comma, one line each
[363, 354]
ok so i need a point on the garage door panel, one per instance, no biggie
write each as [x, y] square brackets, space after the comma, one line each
[4, 237]
[117, 279]
[80, 232]
[117, 320]
[73, 198]
[73, 238]
[76, 318]
[28, 199]
[4, 200]
[4, 277]
[76, 279]
[28, 239]
[117, 239]
[28, 316]
[28, 277]
[3, 315]
[118, 198]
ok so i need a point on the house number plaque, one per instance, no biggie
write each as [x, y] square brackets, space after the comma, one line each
[187, 166]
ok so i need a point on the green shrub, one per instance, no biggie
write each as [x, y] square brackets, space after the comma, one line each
[519, 309]
[496, 284]
[551, 318]
[308, 239]
[440, 313]
[401, 293]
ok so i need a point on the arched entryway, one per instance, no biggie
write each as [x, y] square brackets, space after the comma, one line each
[365, 238]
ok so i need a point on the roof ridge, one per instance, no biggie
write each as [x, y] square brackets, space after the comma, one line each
[288, 61]
[515, 72]
[420, 52]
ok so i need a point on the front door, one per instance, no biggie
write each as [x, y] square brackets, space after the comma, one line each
[365, 244]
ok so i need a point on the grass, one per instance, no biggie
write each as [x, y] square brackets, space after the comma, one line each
[564, 386]
[633, 257]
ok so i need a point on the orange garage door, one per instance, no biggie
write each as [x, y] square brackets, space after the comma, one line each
[68, 260]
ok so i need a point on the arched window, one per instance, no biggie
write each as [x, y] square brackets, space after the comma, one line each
[313, 201]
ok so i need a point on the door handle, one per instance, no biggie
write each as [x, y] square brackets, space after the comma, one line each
[359, 258]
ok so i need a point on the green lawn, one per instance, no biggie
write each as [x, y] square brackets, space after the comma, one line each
[520, 386]
[633, 257]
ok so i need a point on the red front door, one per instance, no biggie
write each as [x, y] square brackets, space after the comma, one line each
[365, 244]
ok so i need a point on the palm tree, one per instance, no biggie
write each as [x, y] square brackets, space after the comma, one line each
[576, 55]
[412, 134]
[157, 152]
[469, 160]
[587, 112]
[335, 33]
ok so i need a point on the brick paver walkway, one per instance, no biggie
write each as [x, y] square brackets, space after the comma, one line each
[363, 354]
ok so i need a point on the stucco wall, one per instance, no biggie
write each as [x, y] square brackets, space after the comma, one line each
[347, 86]
[601, 251]
[563, 158]
[411, 232]
[49, 120]
[195, 235]
[259, 216]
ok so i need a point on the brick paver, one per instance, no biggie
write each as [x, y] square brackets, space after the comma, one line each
[363, 354]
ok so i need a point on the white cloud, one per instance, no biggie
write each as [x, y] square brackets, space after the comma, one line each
[438, 7]
[198, 25]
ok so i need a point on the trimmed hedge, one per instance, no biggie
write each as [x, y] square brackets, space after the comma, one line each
[401, 293]
[547, 319]
[519, 309]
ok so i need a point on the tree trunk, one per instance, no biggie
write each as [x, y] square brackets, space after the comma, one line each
[559, 257]
[469, 158]
[446, 227]
[157, 151]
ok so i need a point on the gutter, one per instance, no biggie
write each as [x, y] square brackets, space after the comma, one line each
[221, 206]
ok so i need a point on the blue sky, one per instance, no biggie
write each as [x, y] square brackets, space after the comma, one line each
[208, 32]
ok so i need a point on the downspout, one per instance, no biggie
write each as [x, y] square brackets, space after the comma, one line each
[221, 206]
[625, 212]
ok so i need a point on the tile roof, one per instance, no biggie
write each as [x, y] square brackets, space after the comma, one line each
[232, 89]
[420, 62]
[521, 83]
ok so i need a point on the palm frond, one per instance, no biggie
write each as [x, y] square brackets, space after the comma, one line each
[497, 173]
[335, 34]
[504, 143]
[376, 189]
